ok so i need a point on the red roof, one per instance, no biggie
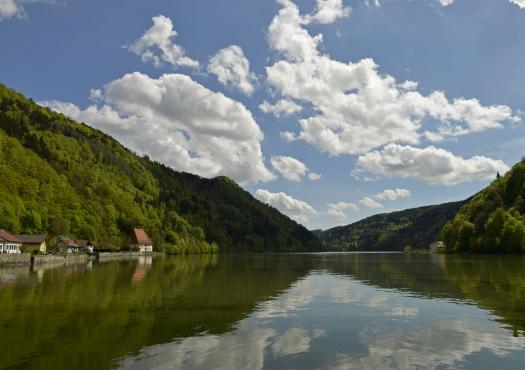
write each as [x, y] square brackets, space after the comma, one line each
[4, 235]
[139, 236]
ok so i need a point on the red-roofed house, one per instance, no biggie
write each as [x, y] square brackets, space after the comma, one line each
[9, 243]
[138, 239]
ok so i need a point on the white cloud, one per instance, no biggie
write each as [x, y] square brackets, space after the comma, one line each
[16, 8]
[328, 11]
[181, 123]
[338, 209]
[289, 167]
[356, 107]
[158, 38]
[288, 136]
[376, 3]
[392, 194]
[431, 165]
[232, 68]
[519, 3]
[294, 208]
[96, 95]
[314, 176]
[10, 8]
[284, 107]
[370, 203]
[287, 35]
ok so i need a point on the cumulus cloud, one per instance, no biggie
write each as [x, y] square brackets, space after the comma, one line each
[314, 176]
[284, 107]
[356, 108]
[294, 208]
[288, 136]
[387, 194]
[179, 122]
[392, 194]
[338, 209]
[519, 3]
[292, 169]
[289, 167]
[431, 165]
[328, 11]
[232, 68]
[287, 36]
[370, 202]
[16, 8]
[156, 45]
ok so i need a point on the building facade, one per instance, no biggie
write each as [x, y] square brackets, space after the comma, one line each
[140, 241]
[33, 243]
[9, 243]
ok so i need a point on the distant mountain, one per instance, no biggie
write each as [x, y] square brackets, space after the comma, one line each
[493, 220]
[64, 177]
[417, 227]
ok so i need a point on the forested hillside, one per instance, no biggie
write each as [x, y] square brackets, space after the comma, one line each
[417, 227]
[64, 177]
[494, 220]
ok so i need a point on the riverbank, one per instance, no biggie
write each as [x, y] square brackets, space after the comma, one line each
[26, 259]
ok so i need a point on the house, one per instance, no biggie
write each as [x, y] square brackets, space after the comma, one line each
[9, 243]
[139, 240]
[80, 246]
[33, 243]
[68, 245]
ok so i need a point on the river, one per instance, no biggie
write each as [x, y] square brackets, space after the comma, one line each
[288, 311]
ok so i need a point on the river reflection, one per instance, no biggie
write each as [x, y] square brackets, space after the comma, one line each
[322, 311]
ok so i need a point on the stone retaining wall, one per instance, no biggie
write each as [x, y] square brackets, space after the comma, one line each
[15, 259]
[60, 260]
[123, 255]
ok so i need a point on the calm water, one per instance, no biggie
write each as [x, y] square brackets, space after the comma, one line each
[323, 311]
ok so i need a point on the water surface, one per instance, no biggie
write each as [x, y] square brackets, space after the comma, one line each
[302, 311]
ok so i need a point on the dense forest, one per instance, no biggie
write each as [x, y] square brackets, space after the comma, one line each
[417, 227]
[63, 177]
[493, 221]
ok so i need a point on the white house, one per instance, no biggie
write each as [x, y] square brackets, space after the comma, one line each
[9, 243]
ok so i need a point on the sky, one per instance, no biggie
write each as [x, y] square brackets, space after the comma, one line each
[328, 110]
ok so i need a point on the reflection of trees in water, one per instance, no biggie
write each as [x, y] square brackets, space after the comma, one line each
[413, 274]
[495, 282]
[84, 319]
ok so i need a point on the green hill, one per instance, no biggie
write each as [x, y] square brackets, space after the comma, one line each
[417, 227]
[64, 177]
[493, 220]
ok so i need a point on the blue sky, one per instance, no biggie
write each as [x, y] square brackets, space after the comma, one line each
[183, 81]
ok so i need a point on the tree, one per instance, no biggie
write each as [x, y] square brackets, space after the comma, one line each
[466, 232]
